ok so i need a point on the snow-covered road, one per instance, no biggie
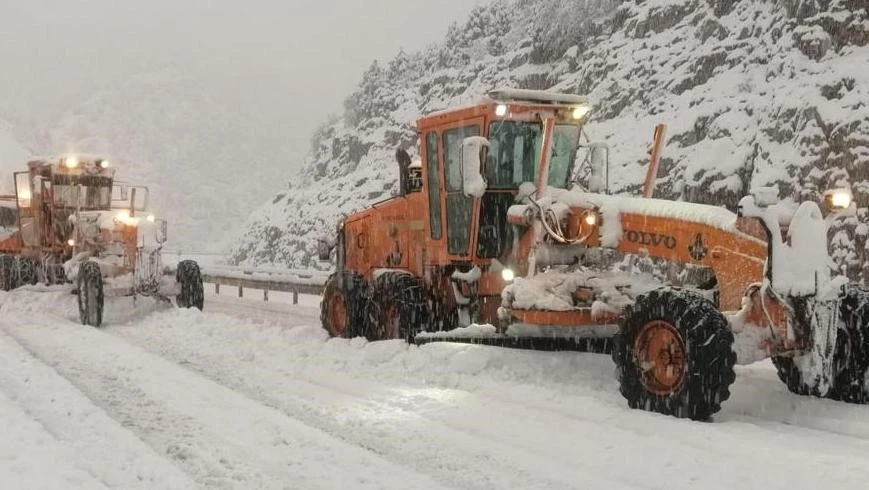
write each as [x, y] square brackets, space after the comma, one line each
[253, 395]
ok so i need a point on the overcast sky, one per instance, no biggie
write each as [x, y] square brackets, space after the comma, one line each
[287, 62]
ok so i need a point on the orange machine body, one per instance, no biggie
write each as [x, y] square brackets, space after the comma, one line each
[418, 232]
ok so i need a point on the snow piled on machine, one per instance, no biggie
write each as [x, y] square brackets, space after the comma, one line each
[554, 289]
[714, 216]
[804, 267]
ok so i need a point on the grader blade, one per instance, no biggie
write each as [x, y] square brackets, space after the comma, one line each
[549, 344]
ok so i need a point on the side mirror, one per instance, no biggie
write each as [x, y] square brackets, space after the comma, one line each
[162, 232]
[599, 157]
[140, 198]
[473, 183]
[324, 249]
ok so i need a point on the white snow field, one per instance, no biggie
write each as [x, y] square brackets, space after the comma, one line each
[253, 395]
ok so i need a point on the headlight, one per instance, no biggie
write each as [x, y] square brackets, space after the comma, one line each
[840, 199]
[580, 112]
[501, 110]
[507, 275]
[104, 164]
[590, 219]
[71, 162]
[70, 242]
[125, 218]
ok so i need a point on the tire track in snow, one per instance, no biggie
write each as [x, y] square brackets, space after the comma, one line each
[758, 396]
[458, 455]
[499, 429]
[219, 437]
[661, 451]
[84, 437]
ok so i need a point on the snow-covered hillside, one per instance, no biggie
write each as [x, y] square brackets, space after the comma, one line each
[753, 92]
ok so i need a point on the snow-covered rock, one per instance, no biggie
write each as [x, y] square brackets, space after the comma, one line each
[753, 93]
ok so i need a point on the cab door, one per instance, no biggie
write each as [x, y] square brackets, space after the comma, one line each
[27, 215]
[459, 208]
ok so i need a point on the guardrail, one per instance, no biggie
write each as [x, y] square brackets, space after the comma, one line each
[266, 279]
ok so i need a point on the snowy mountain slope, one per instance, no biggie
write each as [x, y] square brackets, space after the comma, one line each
[227, 401]
[754, 93]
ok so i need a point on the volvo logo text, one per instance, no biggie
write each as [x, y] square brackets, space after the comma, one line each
[653, 239]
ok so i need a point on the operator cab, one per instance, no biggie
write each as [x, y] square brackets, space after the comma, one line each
[519, 126]
[67, 182]
[54, 189]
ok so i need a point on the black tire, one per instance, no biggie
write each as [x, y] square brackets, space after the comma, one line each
[90, 294]
[441, 318]
[397, 309]
[850, 382]
[53, 273]
[791, 376]
[700, 353]
[189, 277]
[851, 359]
[27, 269]
[8, 276]
[343, 305]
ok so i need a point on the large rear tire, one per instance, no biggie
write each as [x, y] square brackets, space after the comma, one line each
[674, 354]
[397, 309]
[189, 277]
[851, 358]
[343, 304]
[90, 294]
[27, 269]
[8, 276]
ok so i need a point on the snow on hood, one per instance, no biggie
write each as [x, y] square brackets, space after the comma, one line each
[714, 216]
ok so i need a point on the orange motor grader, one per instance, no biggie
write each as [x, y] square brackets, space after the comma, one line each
[76, 224]
[493, 237]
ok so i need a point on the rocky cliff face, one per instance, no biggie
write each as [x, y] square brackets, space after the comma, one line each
[754, 93]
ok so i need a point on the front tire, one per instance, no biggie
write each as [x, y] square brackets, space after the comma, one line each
[674, 354]
[189, 277]
[850, 383]
[851, 357]
[90, 294]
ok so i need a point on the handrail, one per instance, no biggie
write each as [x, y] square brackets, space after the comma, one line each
[265, 279]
